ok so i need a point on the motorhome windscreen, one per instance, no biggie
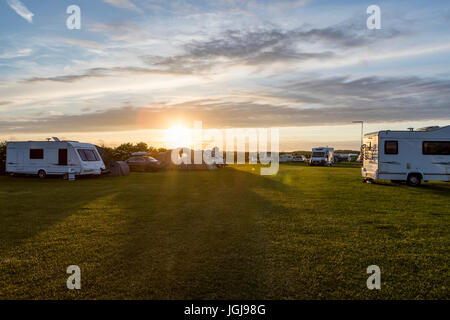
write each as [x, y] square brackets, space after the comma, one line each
[88, 155]
[318, 154]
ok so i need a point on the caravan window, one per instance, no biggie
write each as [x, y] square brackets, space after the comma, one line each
[36, 153]
[391, 147]
[88, 155]
[436, 147]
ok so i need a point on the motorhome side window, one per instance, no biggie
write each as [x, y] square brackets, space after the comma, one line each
[436, 147]
[36, 153]
[88, 155]
[391, 147]
[318, 154]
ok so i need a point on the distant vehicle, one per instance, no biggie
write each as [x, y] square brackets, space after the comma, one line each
[351, 157]
[299, 159]
[143, 163]
[322, 156]
[140, 153]
[410, 156]
[55, 157]
[286, 158]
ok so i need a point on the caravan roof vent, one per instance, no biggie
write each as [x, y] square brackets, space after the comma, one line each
[411, 129]
[431, 128]
[56, 139]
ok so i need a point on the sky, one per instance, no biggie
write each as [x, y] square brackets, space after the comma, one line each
[136, 68]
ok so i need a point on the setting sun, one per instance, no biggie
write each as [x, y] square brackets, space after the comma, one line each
[178, 136]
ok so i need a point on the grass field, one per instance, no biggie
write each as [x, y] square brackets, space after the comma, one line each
[306, 233]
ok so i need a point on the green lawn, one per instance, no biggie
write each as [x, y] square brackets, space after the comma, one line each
[307, 233]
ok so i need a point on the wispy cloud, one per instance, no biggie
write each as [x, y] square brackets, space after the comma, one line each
[21, 10]
[10, 54]
[124, 4]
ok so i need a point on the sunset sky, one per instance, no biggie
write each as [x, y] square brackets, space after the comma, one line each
[137, 68]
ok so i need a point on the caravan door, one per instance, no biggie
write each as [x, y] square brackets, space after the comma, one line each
[62, 157]
[16, 159]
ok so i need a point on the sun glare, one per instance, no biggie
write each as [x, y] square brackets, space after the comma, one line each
[178, 136]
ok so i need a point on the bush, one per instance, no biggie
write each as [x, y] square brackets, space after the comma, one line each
[2, 157]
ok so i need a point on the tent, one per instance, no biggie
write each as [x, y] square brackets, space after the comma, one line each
[119, 168]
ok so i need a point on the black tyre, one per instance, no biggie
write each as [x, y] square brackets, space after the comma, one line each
[414, 180]
[42, 174]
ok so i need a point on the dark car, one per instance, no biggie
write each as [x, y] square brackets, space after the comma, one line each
[143, 164]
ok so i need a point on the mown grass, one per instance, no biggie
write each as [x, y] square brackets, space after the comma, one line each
[306, 233]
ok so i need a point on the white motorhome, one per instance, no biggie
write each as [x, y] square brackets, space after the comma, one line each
[410, 156]
[66, 158]
[322, 156]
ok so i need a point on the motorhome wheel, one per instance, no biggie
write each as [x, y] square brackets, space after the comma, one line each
[413, 180]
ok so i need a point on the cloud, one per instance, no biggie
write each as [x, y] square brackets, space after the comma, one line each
[254, 48]
[269, 46]
[331, 101]
[79, 42]
[123, 4]
[16, 53]
[21, 10]
[98, 73]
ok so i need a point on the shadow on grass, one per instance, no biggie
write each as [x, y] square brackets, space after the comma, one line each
[224, 234]
[440, 188]
[197, 238]
[29, 205]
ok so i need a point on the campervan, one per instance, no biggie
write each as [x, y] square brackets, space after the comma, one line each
[410, 156]
[322, 156]
[65, 158]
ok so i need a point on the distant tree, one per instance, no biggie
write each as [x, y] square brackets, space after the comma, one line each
[123, 152]
[141, 146]
[2, 157]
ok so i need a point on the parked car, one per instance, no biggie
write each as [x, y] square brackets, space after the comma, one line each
[143, 163]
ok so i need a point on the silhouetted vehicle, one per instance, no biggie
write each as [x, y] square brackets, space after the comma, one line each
[143, 164]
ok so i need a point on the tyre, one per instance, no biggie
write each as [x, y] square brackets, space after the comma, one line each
[42, 174]
[414, 180]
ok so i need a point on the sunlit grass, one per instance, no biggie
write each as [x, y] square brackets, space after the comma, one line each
[306, 233]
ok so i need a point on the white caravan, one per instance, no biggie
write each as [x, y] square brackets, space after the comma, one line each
[409, 156]
[322, 156]
[66, 158]
[286, 157]
[299, 159]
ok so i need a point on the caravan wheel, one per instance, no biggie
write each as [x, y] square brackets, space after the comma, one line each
[414, 180]
[42, 174]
